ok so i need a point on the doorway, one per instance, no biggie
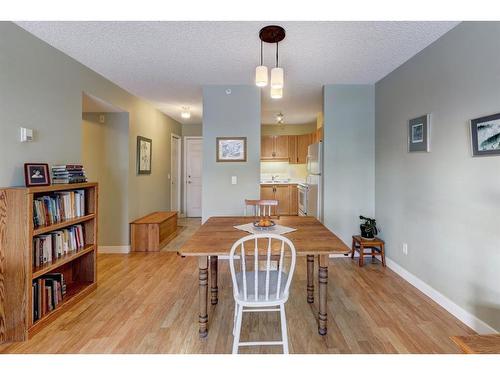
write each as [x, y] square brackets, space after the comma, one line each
[175, 172]
[193, 154]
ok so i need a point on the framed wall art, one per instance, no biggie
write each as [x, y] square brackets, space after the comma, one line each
[419, 134]
[485, 135]
[144, 155]
[36, 174]
[230, 149]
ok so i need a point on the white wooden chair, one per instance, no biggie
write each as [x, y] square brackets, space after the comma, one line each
[262, 207]
[257, 290]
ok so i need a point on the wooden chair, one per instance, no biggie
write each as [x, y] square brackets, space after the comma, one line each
[256, 290]
[262, 207]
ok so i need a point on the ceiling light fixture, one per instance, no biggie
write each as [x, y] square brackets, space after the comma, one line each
[280, 118]
[271, 34]
[185, 113]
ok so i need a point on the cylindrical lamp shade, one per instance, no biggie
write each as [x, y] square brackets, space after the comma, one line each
[261, 76]
[277, 78]
[276, 93]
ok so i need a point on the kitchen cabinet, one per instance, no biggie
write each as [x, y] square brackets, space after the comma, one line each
[274, 147]
[317, 135]
[285, 194]
[297, 148]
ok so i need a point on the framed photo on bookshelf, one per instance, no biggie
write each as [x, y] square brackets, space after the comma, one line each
[36, 174]
[144, 155]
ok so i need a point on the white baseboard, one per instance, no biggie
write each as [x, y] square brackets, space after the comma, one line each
[464, 316]
[123, 249]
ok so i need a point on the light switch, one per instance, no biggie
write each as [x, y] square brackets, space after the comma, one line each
[26, 135]
[234, 180]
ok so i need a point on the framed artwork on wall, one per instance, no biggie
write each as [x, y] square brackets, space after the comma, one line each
[419, 134]
[230, 149]
[144, 155]
[485, 135]
[36, 174]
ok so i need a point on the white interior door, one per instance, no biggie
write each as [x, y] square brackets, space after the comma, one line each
[175, 173]
[194, 153]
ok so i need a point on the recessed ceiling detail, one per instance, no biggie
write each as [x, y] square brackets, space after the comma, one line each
[167, 63]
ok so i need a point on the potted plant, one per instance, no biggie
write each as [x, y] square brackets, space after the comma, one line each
[368, 228]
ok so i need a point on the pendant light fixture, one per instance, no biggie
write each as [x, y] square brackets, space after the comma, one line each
[261, 71]
[271, 34]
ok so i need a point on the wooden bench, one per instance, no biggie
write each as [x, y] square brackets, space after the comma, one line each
[153, 232]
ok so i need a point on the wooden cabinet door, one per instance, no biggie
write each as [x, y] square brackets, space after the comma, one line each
[266, 147]
[267, 192]
[319, 134]
[282, 195]
[303, 141]
[281, 147]
[292, 149]
[294, 200]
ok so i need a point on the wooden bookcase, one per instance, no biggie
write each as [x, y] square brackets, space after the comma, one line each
[16, 258]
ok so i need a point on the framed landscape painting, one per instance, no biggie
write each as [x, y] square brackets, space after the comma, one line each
[231, 149]
[485, 135]
[144, 155]
[419, 134]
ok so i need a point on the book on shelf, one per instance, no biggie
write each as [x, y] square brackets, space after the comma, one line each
[57, 207]
[51, 246]
[68, 174]
[47, 293]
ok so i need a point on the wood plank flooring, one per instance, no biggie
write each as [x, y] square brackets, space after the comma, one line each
[147, 303]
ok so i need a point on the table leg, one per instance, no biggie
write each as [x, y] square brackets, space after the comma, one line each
[310, 278]
[213, 280]
[323, 291]
[203, 295]
[361, 254]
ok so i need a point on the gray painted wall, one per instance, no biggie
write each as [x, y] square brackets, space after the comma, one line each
[192, 130]
[444, 204]
[105, 156]
[349, 150]
[41, 88]
[234, 115]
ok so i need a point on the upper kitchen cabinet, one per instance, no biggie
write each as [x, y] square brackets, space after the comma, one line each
[317, 135]
[298, 148]
[274, 147]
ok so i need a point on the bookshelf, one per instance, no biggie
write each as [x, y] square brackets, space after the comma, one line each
[17, 266]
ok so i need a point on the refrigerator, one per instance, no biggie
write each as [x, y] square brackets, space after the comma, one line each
[314, 181]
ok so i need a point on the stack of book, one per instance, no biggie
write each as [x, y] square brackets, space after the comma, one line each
[68, 174]
[49, 247]
[60, 206]
[47, 292]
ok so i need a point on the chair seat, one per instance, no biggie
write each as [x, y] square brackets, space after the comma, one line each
[261, 297]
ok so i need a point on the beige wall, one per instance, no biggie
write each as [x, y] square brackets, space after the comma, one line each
[192, 130]
[41, 88]
[105, 157]
[274, 129]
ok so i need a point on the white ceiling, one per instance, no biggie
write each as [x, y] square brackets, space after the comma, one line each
[167, 63]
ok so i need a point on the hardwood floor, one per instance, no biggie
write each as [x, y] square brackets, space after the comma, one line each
[147, 303]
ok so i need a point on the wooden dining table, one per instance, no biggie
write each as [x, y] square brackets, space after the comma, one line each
[216, 236]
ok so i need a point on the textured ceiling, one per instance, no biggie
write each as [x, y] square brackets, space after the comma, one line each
[167, 63]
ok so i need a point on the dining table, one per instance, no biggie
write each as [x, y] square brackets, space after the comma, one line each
[217, 235]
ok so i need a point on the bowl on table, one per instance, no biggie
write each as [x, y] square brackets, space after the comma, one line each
[264, 224]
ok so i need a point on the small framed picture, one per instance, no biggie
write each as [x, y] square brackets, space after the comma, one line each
[144, 155]
[36, 174]
[485, 135]
[419, 134]
[231, 149]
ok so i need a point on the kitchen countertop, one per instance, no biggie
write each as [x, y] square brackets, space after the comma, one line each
[291, 182]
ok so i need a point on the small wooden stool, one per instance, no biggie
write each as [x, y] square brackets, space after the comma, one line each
[376, 245]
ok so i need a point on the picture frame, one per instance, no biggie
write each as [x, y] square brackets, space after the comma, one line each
[485, 135]
[144, 155]
[419, 134]
[36, 174]
[231, 149]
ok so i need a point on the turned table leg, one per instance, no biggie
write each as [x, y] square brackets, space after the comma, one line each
[213, 280]
[310, 278]
[203, 295]
[323, 289]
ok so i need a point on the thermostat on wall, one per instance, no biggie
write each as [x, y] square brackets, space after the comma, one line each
[26, 135]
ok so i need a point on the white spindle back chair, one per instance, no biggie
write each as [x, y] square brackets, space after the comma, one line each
[261, 290]
[261, 207]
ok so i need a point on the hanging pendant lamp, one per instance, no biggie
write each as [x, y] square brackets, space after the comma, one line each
[271, 34]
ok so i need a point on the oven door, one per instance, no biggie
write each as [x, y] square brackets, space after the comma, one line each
[302, 197]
